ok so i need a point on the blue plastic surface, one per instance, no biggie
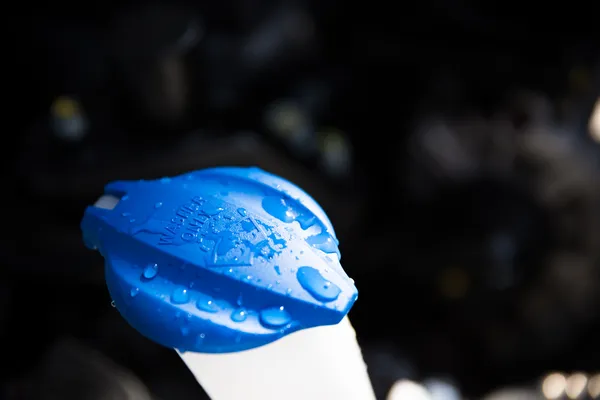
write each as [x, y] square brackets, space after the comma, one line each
[219, 260]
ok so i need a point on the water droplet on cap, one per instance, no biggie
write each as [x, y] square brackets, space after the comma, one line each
[211, 209]
[313, 282]
[150, 271]
[248, 226]
[180, 296]
[200, 339]
[134, 292]
[239, 315]
[206, 303]
[279, 208]
[324, 242]
[274, 317]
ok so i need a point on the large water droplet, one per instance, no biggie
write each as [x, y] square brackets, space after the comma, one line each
[134, 291]
[211, 209]
[206, 303]
[279, 208]
[180, 296]
[324, 242]
[313, 282]
[274, 317]
[239, 315]
[248, 225]
[150, 271]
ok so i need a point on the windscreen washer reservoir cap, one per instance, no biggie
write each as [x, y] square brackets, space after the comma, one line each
[218, 260]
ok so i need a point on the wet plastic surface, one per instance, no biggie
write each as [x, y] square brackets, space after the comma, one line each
[219, 260]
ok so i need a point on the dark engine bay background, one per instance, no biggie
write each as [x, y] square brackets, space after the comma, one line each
[449, 142]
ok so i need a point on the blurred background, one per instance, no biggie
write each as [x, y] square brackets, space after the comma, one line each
[453, 144]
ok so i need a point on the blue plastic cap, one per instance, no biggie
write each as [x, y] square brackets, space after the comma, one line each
[219, 260]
